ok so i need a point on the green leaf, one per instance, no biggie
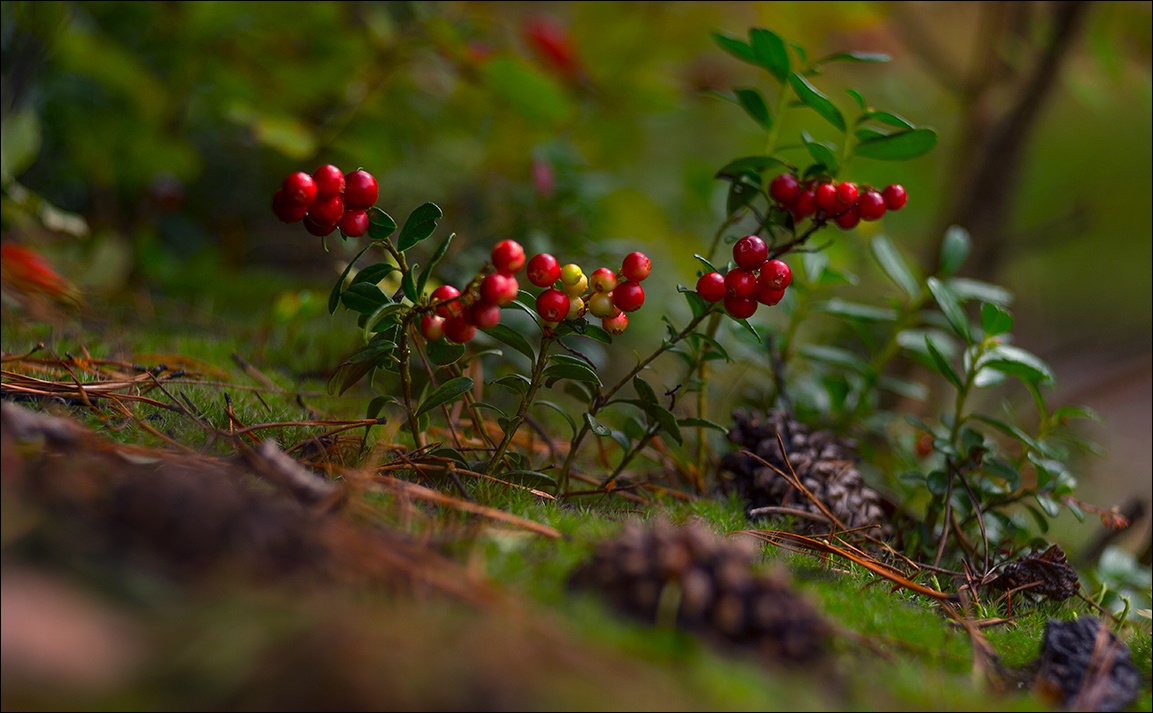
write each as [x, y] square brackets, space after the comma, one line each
[951, 307]
[817, 101]
[420, 224]
[748, 328]
[373, 274]
[596, 426]
[384, 315]
[995, 320]
[895, 266]
[364, 297]
[564, 413]
[968, 289]
[377, 405]
[942, 364]
[821, 152]
[1051, 507]
[955, 248]
[1018, 362]
[748, 164]
[575, 371]
[736, 48]
[868, 133]
[858, 97]
[372, 351]
[509, 336]
[443, 352]
[661, 416]
[754, 105]
[516, 383]
[696, 303]
[380, 224]
[644, 391]
[770, 52]
[938, 482]
[334, 296]
[348, 374]
[1003, 469]
[835, 356]
[597, 334]
[698, 337]
[436, 258]
[853, 56]
[900, 146]
[693, 422]
[885, 117]
[855, 310]
[484, 406]
[529, 478]
[446, 392]
[744, 188]
[408, 284]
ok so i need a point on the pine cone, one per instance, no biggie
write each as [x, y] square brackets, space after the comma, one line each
[824, 463]
[1086, 668]
[708, 584]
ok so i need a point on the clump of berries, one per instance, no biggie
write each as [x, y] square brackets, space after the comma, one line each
[844, 203]
[458, 314]
[327, 199]
[754, 280]
[604, 294]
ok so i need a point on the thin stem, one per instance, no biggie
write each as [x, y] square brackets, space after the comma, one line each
[525, 403]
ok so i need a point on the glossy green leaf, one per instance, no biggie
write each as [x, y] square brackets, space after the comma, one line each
[943, 366]
[348, 374]
[1051, 507]
[377, 405]
[737, 48]
[485, 406]
[661, 416]
[874, 57]
[868, 133]
[855, 310]
[749, 164]
[754, 105]
[951, 307]
[386, 314]
[577, 372]
[516, 383]
[818, 102]
[995, 320]
[969, 289]
[596, 333]
[938, 482]
[436, 258]
[445, 393]
[821, 152]
[1018, 362]
[701, 340]
[510, 337]
[895, 266]
[858, 97]
[364, 297]
[408, 284]
[743, 189]
[334, 296]
[1004, 470]
[770, 52]
[955, 248]
[372, 351]
[596, 426]
[644, 391]
[380, 224]
[373, 274]
[696, 302]
[891, 119]
[420, 224]
[443, 352]
[748, 328]
[693, 422]
[900, 146]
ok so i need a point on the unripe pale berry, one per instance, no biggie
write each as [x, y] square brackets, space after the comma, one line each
[449, 295]
[601, 305]
[508, 257]
[629, 296]
[329, 181]
[740, 307]
[750, 252]
[616, 325]
[740, 283]
[543, 270]
[299, 188]
[571, 273]
[577, 288]
[602, 280]
[776, 274]
[354, 223]
[552, 305]
[360, 190]
[711, 287]
[636, 266]
[576, 308]
[784, 188]
[432, 327]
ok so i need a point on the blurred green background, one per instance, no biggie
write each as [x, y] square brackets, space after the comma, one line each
[142, 143]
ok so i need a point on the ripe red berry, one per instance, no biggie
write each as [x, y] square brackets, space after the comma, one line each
[360, 190]
[784, 188]
[498, 289]
[711, 287]
[484, 315]
[286, 210]
[777, 274]
[299, 188]
[849, 219]
[750, 252]
[636, 266]
[740, 307]
[508, 257]
[804, 205]
[354, 223]
[432, 327]
[543, 270]
[602, 280]
[846, 194]
[317, 229]
[552, 305]
[616, 325]
[740, 283]
[826, 195]
[329, 181]
[629, 296]
[871, 205]
[895, 197]
[326, 211]
[458, 330]
[448, 296]
[766, 295]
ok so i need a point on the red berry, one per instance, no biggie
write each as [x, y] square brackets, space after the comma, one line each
[784, 188]
[317, 229]
[740, 307]
[498, 289]
[299, 188]
[826, 195]
[484, 315]
[849, 219]
[432, 327]
[543, 270]
[354, 223]
[847, 195]
[617, 324]
[766, 295]
[458, 330]
[629, 296]
[636, 266]
[776, 274]
[602, 280]
[326, 211]
[750, 252]
[508, 257]
[871, 205]
[286, 210]
[450, 305]
[804, 205]
[740, 283]
[360, 190]
[552, 305]
[895, 197]
[329, 181]
[711, 287]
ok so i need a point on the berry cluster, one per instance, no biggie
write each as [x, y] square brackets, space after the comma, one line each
[845, 203]
[605, 294]
[458, 314]
[755, 280]
[327, 199]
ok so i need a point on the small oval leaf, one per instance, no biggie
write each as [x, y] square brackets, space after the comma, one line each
[900, 146]
[446, 392]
